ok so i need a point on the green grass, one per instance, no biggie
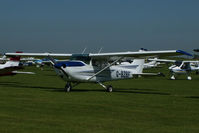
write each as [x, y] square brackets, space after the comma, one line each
[38, 104]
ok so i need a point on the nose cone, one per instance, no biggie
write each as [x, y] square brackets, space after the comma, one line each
[58, 65]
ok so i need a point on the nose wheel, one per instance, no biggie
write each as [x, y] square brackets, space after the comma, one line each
[68, 87]
[188, 75]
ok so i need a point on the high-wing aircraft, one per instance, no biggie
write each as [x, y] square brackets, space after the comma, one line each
[11, 66]
[98, 67]
[181, 67]
[147, 65]
[151, 64]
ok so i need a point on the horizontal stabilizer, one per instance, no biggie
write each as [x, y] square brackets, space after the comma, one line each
[18, 72]
[150, 74]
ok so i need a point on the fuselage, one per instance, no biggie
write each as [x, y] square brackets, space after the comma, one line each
[9, 67]
[74, 71]
[180, 70]
[177, 70]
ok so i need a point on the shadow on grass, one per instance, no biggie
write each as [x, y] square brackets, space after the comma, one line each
[10, 82]
[51, 75]
[57, 89]
[192, 97]
[134, 90]
[140, 91]
[19, 85]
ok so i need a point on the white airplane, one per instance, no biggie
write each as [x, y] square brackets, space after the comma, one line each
[147, 65]
[151, 64]
[11, 67]
[181, 67]
[99, 67]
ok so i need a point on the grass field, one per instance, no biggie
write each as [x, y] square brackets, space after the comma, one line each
[38, 104]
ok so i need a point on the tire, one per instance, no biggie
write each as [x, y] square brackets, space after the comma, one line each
[68, 87]
[173, 77]
[109, 88]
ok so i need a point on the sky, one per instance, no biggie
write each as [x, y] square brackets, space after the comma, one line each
[69, 26]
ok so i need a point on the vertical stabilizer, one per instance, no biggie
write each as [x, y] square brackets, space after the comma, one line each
[140, 65]
[14, 61]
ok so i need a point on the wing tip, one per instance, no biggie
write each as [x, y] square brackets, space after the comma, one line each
[183, 52]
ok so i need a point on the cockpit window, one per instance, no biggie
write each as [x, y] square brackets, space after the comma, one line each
[83, 57]
[186, 65]
[99, 63]
[178, 63]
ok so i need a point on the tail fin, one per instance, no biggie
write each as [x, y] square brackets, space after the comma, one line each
[14, 61]
[140, 65]
[15, 58]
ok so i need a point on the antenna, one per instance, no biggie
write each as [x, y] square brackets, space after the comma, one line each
[84, 50]
[100, 50]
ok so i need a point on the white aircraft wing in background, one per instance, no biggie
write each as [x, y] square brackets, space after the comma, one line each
[20, 72]
[173, 61]
[162, 60]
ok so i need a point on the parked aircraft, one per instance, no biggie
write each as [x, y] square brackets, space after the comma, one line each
[151, 64]
[45, 61]
[181, 67]
[98, 67]
[11, 67]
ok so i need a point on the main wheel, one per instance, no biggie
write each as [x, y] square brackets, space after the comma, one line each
[189, 78]
[109, 88]
[173, 77]
[68, 87]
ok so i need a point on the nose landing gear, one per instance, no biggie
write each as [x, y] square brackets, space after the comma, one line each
[68, 87]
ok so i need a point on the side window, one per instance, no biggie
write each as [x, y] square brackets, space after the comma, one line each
[99, 63]
[95, 63]
[185, 66]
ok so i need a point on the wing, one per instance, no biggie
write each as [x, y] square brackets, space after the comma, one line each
[150, 74]
[162, 60]
[172, 61]
[140, 54]
[191, 61]
[39, 55]
[106, 55]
